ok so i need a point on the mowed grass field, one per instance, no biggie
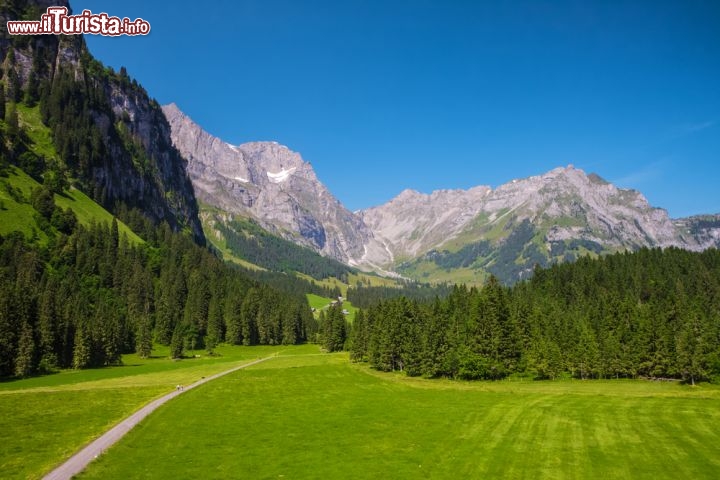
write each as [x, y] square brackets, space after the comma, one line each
[44, 420]
[318, 416]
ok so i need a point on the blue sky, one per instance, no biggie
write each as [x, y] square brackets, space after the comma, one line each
[391, 94]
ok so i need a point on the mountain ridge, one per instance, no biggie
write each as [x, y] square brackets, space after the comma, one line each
[558, 193]
[555, 216]
[273, 185]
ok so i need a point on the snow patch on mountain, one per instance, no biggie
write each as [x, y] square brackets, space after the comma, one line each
[281, 176]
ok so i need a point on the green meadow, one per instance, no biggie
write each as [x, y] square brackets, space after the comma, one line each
[318, 416]
[304, 414]
[46, 419]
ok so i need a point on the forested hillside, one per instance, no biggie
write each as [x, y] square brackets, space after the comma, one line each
[245, 239]
[90, 296]
[106, 133]
[80, 146]
[653, 313]
[365, 296]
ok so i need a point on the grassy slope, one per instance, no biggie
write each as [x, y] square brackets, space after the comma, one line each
[229, 256]
[354, 279]
[321, 417]
[429, 271]
[49, 418]
[243, 227]
[330, 282]
[218, 241]
[19, 216]
[209, 214]
[87, 210]
[40, 137]
[319, 303]
[481, 228]
[371, 280]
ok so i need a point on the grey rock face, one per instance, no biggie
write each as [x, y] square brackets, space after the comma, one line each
[563, 204]
[272, 184]
[413, 223]
[701, 230]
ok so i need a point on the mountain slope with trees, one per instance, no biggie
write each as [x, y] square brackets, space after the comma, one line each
[109, 136]
[78, 288]
[245, 239]
[90, 296]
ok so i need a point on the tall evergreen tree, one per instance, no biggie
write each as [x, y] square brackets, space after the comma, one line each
[25, 362]
[215, 323]
[248, 317]
[47, 327]
[82, 348]
[359, 336]
[177, 344]
[12, 121]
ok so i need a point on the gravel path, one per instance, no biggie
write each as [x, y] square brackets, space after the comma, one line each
[80, 460]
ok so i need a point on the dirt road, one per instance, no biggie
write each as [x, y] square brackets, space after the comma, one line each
[80, 460]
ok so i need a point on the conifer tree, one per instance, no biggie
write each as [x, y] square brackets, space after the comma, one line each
[82, 348]
[435, 345]
[334, 329]
[143, 336]
[13, 123]
[177, 344]
[214, 325]
[359, 336]
[47, 330]
[25, 361]
[14, 93]
[691, 346]
[233, 319]
[248, 317]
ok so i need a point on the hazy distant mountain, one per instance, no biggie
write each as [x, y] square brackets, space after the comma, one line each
[454, 235]
[700, 230]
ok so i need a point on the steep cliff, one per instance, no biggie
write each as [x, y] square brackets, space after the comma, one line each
[112, 138]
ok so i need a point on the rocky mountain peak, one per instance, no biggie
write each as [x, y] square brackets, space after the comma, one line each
[273, 185]
[561, 205]
[408, 194]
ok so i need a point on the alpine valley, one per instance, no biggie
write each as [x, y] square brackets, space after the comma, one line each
[262, 189]
[145, 263]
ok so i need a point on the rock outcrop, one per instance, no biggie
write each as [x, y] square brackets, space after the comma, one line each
[111, 136]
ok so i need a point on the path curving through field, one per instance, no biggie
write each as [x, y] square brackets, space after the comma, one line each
[81, 459]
